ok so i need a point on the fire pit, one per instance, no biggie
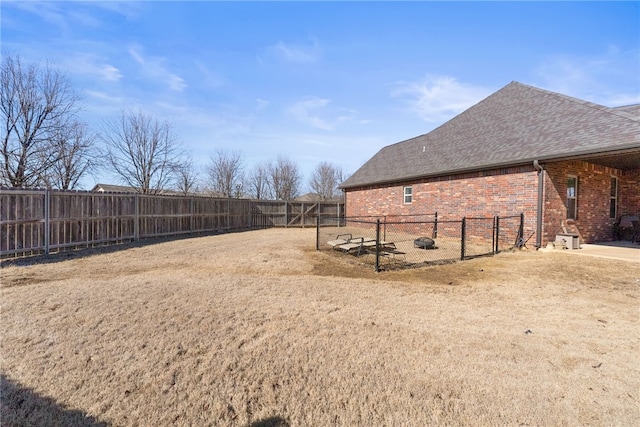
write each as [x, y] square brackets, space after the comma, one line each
[424, 243]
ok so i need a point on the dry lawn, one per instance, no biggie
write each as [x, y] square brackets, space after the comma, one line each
[259, 329]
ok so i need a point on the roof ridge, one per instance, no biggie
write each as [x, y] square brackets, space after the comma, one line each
[567, 97]
[625, 115]
[449, 119]
[588, 104]
[626, 106]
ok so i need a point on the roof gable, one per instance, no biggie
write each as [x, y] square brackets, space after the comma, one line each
[515, 125]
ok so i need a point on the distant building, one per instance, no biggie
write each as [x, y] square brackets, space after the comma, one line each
[110, 188]
[315, 197]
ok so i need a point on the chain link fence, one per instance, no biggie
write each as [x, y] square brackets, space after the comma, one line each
[409, 241]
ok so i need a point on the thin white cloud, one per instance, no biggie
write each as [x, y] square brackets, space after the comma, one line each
[176, 82]
[298, 53]
[590, 77]
[306, 112]
[50, 12]
[308, 149]
[67, 16]
[102, 104]
[111, 73]
[438, 98]
[93, 66]
[208, 78]
[617, 100]
[84, 18]
[261, 104]
[103, 97]
[315, 112]
[127, 9]
[154, 68]
[136, 56]
[202, 129]
[199, 123]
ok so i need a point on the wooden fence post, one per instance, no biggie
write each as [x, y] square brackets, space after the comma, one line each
[47, 220]
[191, 209]
[136, 222]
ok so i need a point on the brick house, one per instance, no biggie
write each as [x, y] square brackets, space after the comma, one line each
[569, 165]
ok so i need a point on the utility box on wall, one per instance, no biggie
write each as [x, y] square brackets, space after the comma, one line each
[572, 241]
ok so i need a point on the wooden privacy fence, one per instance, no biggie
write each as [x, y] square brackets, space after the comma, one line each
[41, 221]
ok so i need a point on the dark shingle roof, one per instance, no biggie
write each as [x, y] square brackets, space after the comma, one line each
[633, 110]
[515, 125]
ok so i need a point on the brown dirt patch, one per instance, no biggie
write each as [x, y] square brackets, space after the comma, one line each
[253, 327]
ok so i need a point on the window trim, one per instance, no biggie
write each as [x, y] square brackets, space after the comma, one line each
[613, 198]
[406, 194]
[572, 215]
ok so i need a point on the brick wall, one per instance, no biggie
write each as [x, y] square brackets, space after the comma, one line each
[594, 188]
[508, 192]
[629, 200]
[501, 192]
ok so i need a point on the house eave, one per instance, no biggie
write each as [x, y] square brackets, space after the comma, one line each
[585, 155]
[437, 175]
[630, 155]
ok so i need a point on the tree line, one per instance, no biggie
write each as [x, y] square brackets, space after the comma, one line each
[45, 144]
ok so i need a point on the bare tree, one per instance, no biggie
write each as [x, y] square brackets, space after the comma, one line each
[75, 157]
[34, 102]
[325, 180]
[284, 179]
[257, 183]
[225, 173]
[142, 151]
[186, 177]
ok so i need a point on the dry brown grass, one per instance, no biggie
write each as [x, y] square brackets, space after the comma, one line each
[260, 329]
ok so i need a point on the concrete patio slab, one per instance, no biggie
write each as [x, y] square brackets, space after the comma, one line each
[621, 249]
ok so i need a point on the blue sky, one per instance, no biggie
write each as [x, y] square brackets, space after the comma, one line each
[321, 81]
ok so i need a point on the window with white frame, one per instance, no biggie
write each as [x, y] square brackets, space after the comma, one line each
[572, 197]
[408, 195]
[613, 200]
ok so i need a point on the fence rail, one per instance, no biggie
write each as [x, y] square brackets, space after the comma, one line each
[408, 242]
[33, 222]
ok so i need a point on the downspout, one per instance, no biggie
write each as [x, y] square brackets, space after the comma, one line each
[344, 199]
[540, 170]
